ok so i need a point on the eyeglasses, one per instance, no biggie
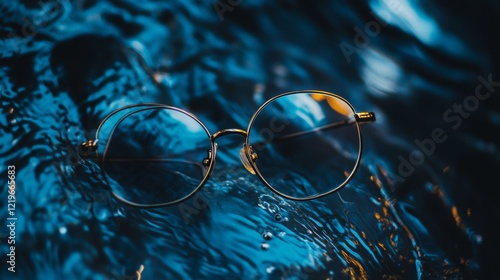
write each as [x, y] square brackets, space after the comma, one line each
[303, 145]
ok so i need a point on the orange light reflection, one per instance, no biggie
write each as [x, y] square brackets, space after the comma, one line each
[336, 104]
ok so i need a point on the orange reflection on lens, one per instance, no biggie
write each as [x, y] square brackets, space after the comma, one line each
[336, 104]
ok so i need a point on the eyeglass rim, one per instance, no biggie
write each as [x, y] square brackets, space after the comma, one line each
[254, 164]
[153, 106]
[213, 144]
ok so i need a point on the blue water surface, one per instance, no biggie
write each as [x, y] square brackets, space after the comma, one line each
[422, 205]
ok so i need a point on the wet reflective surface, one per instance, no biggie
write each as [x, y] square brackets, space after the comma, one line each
[422, 205]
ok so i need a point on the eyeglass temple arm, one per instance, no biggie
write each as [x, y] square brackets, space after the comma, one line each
[87, 150]
[361, 118]
[365, 117]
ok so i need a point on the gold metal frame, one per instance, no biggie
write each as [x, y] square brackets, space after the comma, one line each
[89, 148]
[359, 118]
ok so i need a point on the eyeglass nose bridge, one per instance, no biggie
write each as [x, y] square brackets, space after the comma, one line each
[244, 152]
[228, 131]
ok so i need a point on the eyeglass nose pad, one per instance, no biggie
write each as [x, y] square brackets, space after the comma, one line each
[244, 159]
[206, 162]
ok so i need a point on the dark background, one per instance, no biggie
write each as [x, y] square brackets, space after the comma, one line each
[66, 64]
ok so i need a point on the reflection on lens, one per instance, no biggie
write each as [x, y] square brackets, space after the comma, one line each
[307, 144]
[153, 155]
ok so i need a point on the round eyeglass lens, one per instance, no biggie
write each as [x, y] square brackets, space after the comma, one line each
[153, 155]
[307, 143]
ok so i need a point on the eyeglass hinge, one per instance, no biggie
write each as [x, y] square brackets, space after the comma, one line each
[365, 117]
[87, 148]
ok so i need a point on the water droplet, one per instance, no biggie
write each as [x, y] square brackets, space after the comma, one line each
[270, 269]
[267, 235]
[278, 217]
[263, 205]
[264, 246]
[273, 208]
[281, 233]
